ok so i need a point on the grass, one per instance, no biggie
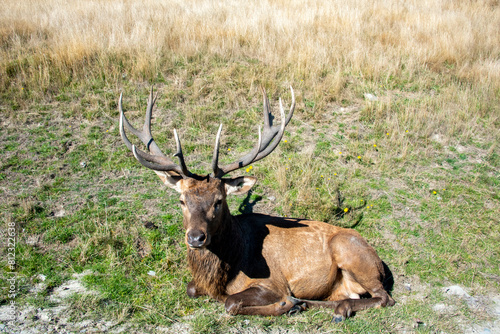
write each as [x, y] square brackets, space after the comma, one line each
[417, 168]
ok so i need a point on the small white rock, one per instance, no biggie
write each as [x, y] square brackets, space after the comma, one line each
[151, 273]
[370, 97]
[455, 290]
[44, 316]
[60, 213]
[439, 307]
[437, 137]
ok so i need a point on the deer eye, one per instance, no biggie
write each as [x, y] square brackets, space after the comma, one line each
[218, 204]
[182, 202]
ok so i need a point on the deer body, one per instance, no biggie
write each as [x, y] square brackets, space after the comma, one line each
[259, 264]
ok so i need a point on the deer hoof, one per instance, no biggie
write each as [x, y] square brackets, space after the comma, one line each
[296, 309]
[191, 290]
[344, 309]
[294, 300]
[232, 307]
[337, 318]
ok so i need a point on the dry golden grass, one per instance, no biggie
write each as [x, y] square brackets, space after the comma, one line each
[306, 40]
[320, 47]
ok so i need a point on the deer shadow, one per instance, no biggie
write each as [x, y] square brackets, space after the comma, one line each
[388, 282]
[247, 205]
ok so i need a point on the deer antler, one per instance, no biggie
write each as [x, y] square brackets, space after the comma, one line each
[265, 144]
[157, 160]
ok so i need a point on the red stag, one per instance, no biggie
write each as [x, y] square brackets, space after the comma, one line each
[258, 264]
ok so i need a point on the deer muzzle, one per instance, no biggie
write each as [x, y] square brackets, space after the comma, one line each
[196, 239]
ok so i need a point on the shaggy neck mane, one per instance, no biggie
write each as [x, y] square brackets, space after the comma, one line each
[214, 266]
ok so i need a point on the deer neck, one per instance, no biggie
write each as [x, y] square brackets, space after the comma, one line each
[216, 265]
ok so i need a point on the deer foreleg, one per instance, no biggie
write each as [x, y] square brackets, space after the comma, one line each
[193, 291]
[258, 301]
[346, 307]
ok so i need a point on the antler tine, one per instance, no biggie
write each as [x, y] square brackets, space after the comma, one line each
[267, 142]
[265, 108]
[149, 113]
[244, 161]
[292, 107]
[144, 135]
[215, 159]
[157, 160]
[265, 151]
[124, 121]
[179, 155]
[270, 131]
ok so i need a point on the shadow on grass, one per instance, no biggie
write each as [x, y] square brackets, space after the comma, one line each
[248, 203]
[388, 282]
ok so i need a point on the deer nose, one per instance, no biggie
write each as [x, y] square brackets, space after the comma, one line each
[196, 239]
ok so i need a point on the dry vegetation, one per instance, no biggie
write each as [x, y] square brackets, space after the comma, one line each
[318, 46]
[423, 155]
[44, 42]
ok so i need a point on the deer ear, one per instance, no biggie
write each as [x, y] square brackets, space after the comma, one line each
[239, 185]
[172, 181]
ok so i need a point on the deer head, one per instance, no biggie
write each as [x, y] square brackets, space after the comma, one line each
[203, 198]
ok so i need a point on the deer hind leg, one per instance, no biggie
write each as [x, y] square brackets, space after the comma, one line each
[364, 275]
[359, 281]
[258, 301]
[360, 271]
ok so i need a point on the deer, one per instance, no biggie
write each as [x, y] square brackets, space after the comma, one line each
[259, 264]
